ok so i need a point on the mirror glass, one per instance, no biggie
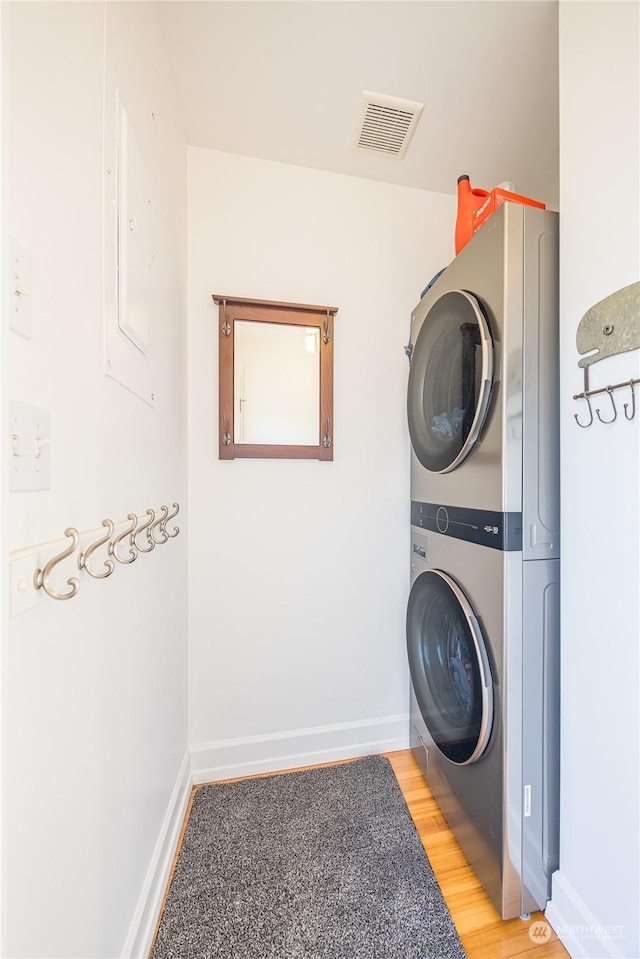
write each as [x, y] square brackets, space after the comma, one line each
[275, 379]
[276, 383]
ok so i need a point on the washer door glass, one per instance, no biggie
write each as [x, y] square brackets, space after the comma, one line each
[449, 381]
[449, 667]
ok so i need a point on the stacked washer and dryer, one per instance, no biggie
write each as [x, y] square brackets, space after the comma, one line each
[483, 610]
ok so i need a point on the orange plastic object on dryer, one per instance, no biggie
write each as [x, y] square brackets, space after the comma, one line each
[476, 206]
[468, 200]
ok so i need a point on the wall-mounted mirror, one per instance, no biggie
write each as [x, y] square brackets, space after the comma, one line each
[276, 379]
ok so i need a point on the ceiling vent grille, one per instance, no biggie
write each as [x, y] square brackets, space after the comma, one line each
[386, 124]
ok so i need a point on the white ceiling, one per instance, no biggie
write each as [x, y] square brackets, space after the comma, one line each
[282, 81]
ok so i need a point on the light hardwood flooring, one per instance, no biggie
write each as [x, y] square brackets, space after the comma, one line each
[484, 935]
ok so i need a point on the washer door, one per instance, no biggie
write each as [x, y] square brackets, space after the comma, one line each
[449, 667]
[449, 381]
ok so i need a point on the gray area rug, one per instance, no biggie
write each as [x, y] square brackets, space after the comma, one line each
[320, 864]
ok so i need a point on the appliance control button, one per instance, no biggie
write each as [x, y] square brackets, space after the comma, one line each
[442, 519]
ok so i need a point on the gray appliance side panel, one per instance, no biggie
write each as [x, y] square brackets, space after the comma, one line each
[541, 451]
[541, 730]
[512, 716]
[512, 217]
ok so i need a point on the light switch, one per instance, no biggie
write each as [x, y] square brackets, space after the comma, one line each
[20, 289]
[30, 455]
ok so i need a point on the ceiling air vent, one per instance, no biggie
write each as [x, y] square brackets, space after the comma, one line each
[386, 124]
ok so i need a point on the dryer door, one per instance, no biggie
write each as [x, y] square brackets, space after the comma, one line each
[449, 666]
[449, 381]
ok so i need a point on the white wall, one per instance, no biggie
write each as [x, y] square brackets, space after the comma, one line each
[597, 890]
[299, 570]
[94, 689]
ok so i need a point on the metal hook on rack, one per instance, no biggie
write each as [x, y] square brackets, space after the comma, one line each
[326, 336]
[176, 529]
[41, 576]
[159, 524]
[226, 435]
[151, 513]
[585, 396]
[128, 533]
[108, 563]
[609, 390]
[326, 439]
[633, 401]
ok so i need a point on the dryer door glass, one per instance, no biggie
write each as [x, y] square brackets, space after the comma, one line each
[449, 381]
[449, 667]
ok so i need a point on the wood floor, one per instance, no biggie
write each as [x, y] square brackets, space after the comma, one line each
[484, 935]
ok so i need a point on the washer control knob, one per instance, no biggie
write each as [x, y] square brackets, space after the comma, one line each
[442, 519]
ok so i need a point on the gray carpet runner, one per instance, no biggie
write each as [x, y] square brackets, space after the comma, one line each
[320, 864]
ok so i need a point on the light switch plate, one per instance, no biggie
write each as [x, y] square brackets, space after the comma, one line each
[30, 453]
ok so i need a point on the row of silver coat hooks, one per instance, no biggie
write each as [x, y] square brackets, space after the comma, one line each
[611, 413]
[141, 535]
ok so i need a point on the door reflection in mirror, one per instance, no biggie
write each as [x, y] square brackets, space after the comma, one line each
[275, 392]
[276, 383]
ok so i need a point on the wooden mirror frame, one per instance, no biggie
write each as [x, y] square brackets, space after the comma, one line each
[232, 308]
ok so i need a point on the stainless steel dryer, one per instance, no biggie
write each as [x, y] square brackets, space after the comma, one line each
[483, 385]
[482, 640]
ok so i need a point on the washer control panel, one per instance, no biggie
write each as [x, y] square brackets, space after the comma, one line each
[484, 527]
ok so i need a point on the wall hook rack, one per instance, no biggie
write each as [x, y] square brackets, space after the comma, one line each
[154, 533]
[609, 327]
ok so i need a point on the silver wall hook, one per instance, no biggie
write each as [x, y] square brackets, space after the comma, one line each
[575, 415]
[326, 439]
[176, 529]
[108, 563]
[633, 401]
[159, 525]
[609, 390]
[151, 513]
[326, 336]
[41, 576]
[226, 435]
[127, 533]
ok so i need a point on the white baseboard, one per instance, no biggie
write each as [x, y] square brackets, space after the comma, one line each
[139, 939]
[231, 758]
[581, 933]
